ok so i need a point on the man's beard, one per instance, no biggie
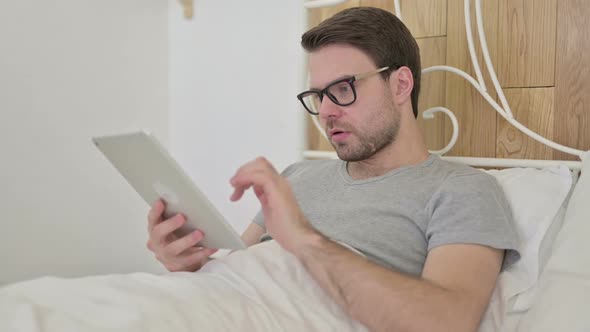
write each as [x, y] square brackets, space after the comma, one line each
[369, 143]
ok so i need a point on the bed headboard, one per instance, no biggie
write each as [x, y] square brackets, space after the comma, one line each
[532, 109]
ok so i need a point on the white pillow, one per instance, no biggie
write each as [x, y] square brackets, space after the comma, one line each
[525, 300]
[535, 197]
[564, 286]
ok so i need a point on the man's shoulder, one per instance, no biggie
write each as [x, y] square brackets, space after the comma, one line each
[452, 170]
[461, 179]
[456, 177]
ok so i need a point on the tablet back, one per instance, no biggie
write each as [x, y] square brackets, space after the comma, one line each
[154, 174]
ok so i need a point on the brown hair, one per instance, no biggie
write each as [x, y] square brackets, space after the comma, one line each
[376, 32]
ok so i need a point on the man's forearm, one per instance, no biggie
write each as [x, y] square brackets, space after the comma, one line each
[382, 299]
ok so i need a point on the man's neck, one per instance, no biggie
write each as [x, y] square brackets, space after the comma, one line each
[373, 167]
[407, 150]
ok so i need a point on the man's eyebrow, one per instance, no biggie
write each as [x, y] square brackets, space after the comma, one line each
[339, 78]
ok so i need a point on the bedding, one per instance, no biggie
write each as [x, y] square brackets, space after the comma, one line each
[537, 198]
[559, 245]
[263, 288]
[564, 286]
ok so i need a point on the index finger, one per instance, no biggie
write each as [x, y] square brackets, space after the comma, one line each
[258, 173]
[259, 164]
[262, 182]
[155, 214]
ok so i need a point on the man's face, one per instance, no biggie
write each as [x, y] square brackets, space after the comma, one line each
[360, 130]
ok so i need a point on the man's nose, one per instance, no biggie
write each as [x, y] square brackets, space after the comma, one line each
[329, 109]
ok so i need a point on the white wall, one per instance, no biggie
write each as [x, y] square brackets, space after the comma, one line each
[70, 69]
[220, 87]
[235, 71]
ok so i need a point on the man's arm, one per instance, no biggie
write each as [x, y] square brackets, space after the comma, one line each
[451, 294]
[250, 237]
[252, 234]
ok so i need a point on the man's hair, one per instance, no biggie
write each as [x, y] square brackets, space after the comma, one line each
[376, 32]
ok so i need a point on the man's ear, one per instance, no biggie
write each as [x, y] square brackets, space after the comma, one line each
[401, 83]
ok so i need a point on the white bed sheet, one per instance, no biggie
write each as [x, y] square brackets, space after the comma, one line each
[508, 322]
[563, 307]
[263, 288]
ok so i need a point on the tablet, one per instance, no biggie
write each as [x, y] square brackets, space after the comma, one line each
[154, 174]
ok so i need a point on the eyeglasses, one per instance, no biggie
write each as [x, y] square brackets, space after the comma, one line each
[341, 92]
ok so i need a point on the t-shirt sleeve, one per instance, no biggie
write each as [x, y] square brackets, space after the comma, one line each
[259, 220]
[471, 208]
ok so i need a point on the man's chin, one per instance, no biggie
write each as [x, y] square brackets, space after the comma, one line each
[346, 152]
[348, 156]
[340, 153]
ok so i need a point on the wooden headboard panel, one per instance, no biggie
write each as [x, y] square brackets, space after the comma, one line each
[539, 49]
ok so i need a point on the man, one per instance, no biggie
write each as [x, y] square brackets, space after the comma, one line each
[434, 233]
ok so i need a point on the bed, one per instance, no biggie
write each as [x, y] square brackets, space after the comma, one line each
[266, 289]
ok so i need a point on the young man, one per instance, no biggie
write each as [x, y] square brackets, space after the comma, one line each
[434, 233]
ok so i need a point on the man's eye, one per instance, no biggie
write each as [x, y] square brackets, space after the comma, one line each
[341, 89]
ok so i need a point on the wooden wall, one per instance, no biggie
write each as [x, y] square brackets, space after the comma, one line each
[540, 50]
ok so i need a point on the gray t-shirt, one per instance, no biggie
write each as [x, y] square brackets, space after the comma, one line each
[396, 218]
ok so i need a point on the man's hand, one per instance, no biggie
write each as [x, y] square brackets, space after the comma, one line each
[283, 218]
[176, 254]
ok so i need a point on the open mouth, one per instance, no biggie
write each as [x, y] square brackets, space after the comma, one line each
[337, 132]
[338, 135]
